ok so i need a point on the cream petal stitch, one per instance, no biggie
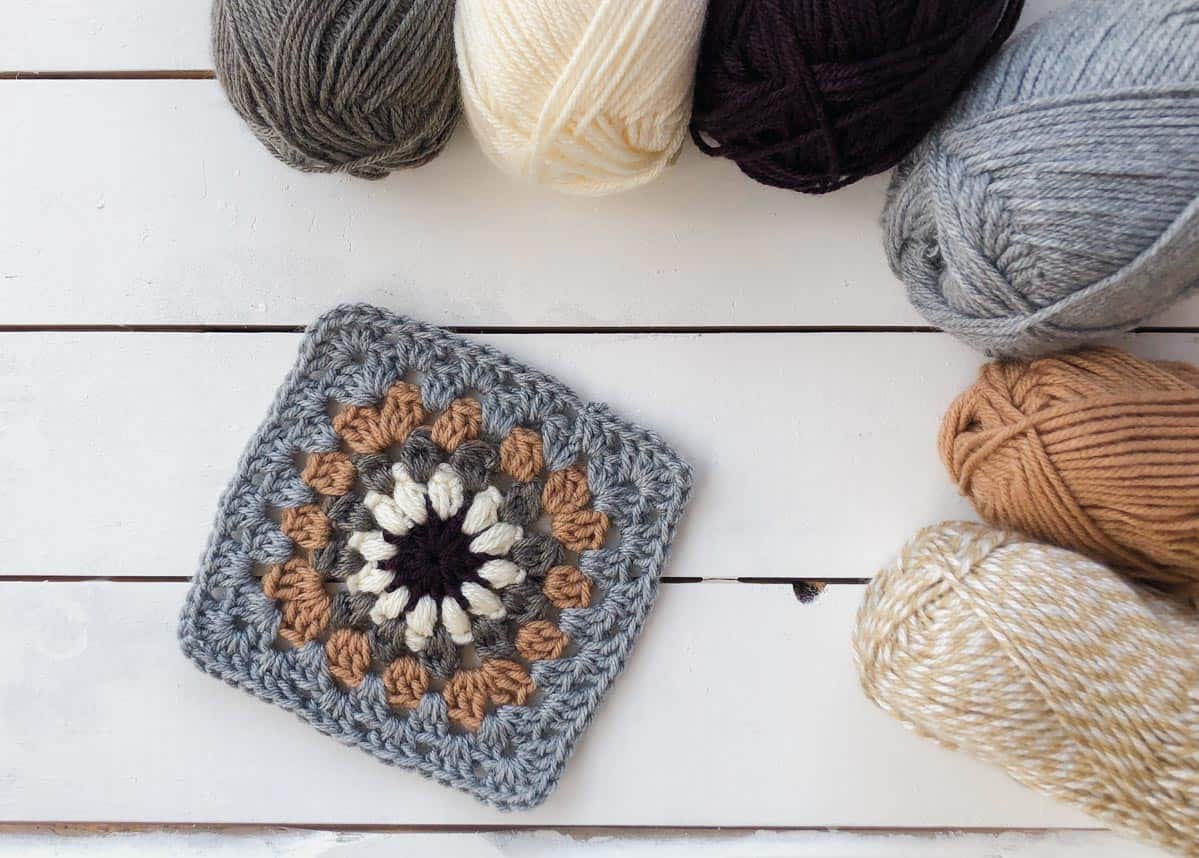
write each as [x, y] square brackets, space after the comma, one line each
[423, 616]
[483, 602]
[414, 640]
[371, 545]
[456, 621]
[352, 580]
[369, 579]
[497, 540]
[389, 606]
[501, 573]
[387, 513]
[484, 511]
[409, 495]
[446, 491]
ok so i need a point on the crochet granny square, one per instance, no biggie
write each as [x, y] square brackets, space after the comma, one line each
[436, 554]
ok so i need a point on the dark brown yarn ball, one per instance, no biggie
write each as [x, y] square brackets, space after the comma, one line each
[812, 95]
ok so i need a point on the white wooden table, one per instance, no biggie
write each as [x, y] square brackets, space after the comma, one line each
[155, 268]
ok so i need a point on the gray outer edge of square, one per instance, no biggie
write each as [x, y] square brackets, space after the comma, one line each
[353, 354]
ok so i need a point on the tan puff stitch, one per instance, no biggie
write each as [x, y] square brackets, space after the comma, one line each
[583, 530]
[522, 456]
[540, 640]
[349, 657]
[305, 604]
[307, 526]
[361, 427]
[568, 587]
[406, 682]
[466, 696]
[510, 682]
[402, 411]
[331, 474]
[461, 421]
[565, 491]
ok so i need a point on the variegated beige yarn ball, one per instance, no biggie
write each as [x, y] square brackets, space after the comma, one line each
[1076, 681]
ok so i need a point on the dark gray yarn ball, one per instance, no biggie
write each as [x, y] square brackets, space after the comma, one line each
[356, 86]
[1058, 202]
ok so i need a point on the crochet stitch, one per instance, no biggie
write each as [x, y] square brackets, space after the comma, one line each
[435, 554]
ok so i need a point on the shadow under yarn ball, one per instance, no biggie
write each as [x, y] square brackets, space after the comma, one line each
[1058, 203]
[356, 86]
[812, 95]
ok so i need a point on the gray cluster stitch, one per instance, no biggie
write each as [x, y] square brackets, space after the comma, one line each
[352, 355]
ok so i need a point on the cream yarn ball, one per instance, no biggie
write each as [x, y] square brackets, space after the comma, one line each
[585, 96]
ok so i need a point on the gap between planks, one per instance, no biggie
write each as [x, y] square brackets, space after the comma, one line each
[102, 827]
[487, 329]
[148, 74]
[531, 329]
[804, 589]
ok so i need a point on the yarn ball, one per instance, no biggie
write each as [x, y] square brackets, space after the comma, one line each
[356, 86]
[1077, 682]
[1095, 450]
[812, 95]
[585, 96]
[1058, 203]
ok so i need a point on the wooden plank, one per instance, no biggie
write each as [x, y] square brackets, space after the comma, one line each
[796, 440]
[815, 453]
[166, 210]
[187, 219]
[67, 841]
[740, 708]
[104, 34]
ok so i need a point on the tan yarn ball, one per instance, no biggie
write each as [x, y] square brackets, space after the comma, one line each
[1077, 682]
[1096, 450]
[585, 96]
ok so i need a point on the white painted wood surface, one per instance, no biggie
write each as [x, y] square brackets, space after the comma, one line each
[146, 202]
[149, 202]
[178, 215]
[553, 844]
[103, 35]
[815, 454]
[740, 707]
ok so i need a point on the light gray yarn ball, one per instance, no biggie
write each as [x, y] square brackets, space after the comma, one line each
[1058, 202]
[356, 86]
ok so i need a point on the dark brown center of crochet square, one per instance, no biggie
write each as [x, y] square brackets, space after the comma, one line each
[434, 558]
